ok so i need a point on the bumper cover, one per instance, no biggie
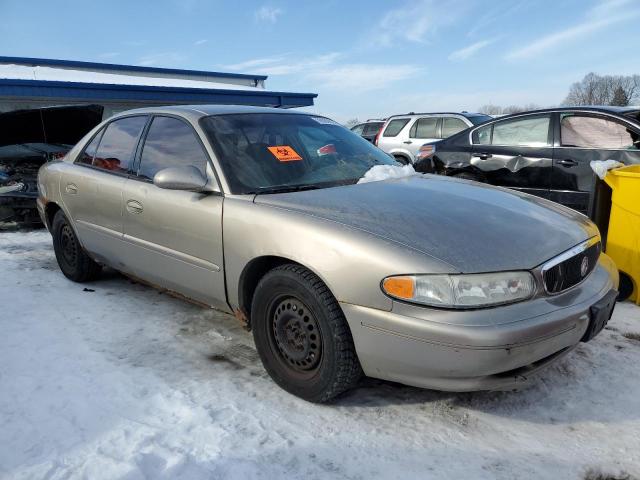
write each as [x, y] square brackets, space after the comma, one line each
[417, 346]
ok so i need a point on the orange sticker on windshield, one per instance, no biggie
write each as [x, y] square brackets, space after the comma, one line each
[284, 153]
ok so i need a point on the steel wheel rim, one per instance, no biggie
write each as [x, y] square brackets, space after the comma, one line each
[68, 245]
[295, 335]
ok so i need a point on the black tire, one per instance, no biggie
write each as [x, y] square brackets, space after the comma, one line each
[467, 176]
[625, 289]
[72, 259]
[301, 335]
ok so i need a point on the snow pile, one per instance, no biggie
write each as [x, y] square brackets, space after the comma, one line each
[601, 167]
[384, 172]
[121, 382]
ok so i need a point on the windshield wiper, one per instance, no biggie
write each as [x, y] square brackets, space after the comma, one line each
[286, 188]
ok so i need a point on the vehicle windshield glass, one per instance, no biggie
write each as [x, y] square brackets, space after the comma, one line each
[270, 152]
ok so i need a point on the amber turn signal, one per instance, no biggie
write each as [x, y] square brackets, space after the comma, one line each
[399, 287]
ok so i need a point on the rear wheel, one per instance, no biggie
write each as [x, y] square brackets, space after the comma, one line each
[75, 264]
[302, 336]
[625, 289]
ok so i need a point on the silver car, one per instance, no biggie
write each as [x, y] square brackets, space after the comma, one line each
[424, 280]
[403, 135]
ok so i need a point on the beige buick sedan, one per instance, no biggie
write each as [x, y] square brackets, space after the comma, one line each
[424, 280]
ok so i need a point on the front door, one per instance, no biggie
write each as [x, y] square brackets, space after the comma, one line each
[583, 138]
[92, 192]
[173, 237]
[516, 153]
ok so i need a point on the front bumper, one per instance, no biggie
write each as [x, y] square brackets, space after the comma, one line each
[489, 349]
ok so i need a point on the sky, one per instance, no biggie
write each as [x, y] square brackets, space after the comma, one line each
[365, 59]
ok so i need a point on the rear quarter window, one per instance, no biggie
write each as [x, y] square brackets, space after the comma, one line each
[395, 127]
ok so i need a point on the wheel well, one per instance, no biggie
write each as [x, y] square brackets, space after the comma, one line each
[50, 210]
[402, 158]
[251, 275]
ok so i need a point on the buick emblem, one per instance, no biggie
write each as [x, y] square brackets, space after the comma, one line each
[584, 266]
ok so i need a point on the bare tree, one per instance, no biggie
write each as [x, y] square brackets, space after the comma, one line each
[595, 89]
[352, 122]
[490, 109]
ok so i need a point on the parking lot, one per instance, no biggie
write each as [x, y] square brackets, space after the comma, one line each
[113, 379]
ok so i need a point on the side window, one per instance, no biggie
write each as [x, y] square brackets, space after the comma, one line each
[451, 126]
[426, 127]
[527, 131]
[90, 151]
[595, 132]
[170, 143]
[358, 129]
[394, 127]
[118, 143]
[482, 136]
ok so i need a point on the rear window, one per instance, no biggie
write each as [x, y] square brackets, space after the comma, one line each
[451, 126]
[372, 128]
[478, 119]
[264, 152]
[395, 127]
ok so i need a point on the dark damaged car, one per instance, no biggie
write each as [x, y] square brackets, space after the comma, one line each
[543, 152]
[29, 139]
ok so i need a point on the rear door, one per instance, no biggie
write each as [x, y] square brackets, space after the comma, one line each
[174, 237]
[516, 153]
[581, 138]
[423, 130]
[92, 192]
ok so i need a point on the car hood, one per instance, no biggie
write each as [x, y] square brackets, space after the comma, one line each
[470, 226]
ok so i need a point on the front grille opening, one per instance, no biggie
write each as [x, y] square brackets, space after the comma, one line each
[570, 272]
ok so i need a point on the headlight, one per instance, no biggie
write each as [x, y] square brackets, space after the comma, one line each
[461, 291]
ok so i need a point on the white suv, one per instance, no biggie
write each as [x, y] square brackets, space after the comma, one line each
[403, 135]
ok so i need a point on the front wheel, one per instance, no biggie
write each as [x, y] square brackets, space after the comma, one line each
[75, 264]
[301, 335]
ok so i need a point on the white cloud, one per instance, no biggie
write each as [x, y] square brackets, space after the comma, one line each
[469, 51]
[107, 55]
[164, 59]
[417, 20]
[604, 14]
[200, 42]
[267, 14]
[329, 71]
[285, 64]
[362, 76]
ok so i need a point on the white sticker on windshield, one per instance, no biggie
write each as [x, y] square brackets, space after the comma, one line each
[324, 121]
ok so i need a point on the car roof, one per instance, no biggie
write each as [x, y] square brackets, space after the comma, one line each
[198, 111]
[463, 114]
[620, 111]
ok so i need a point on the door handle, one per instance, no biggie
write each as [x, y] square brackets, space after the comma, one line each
[133, 206]
[482, 156]
[567, 162]
[71, 189]
[408, 142]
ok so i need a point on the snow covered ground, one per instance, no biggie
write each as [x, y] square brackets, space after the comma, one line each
[121, 381]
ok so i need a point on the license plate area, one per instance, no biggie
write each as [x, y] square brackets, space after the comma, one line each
[600, 313]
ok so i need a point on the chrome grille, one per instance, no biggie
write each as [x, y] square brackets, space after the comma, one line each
[572, 267]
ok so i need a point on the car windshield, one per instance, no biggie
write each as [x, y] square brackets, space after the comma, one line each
[275, 152]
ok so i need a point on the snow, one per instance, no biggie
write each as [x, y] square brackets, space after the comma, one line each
[123, 382]
[23, 72]
[384, 172]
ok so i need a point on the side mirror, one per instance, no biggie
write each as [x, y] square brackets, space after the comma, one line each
[180, 178]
